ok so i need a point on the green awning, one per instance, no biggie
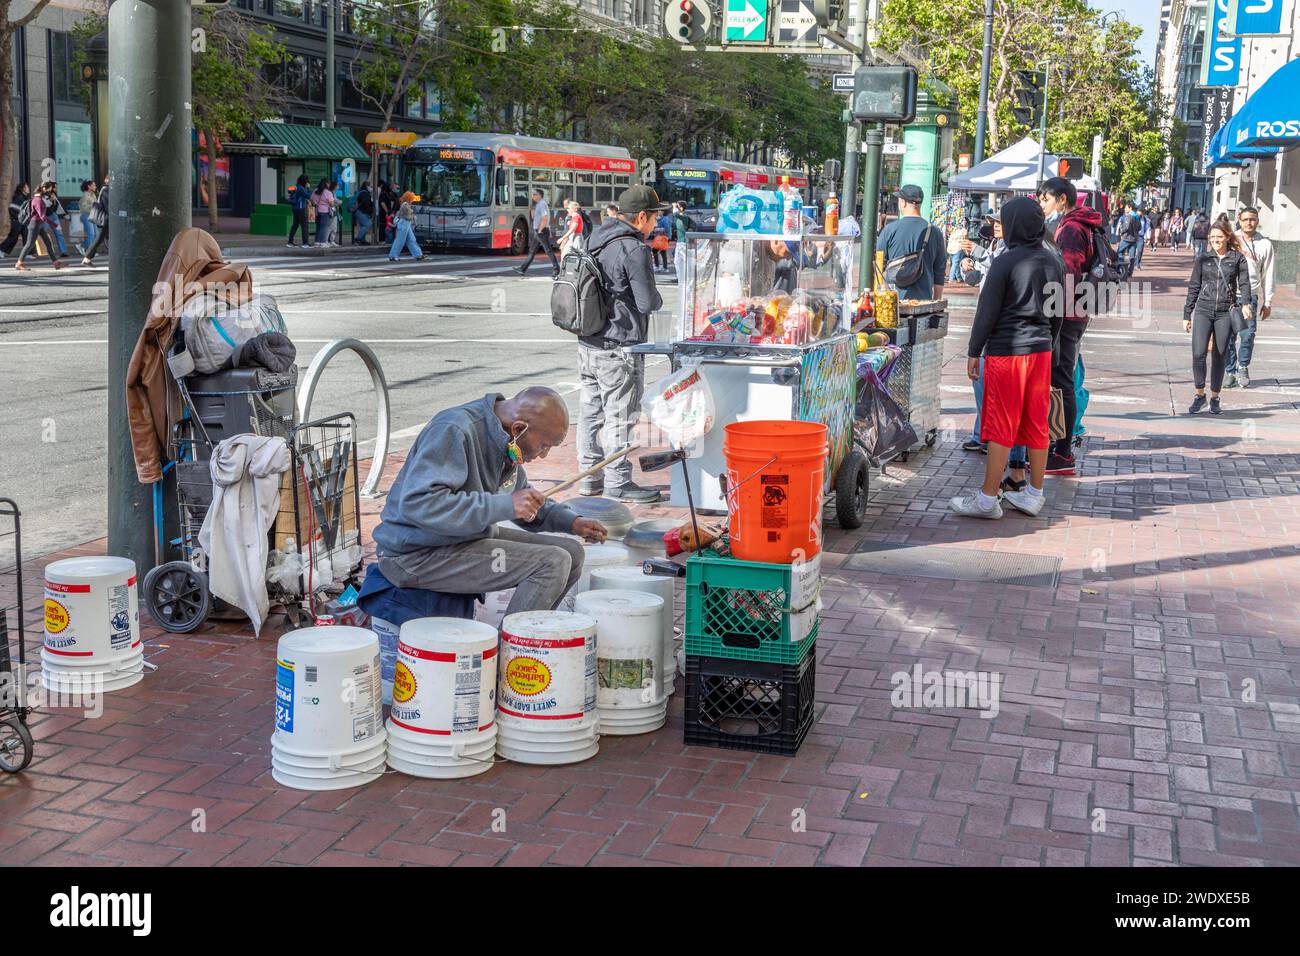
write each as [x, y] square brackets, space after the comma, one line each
[312, 142]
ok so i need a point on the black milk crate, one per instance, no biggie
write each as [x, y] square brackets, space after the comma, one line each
[749, 705]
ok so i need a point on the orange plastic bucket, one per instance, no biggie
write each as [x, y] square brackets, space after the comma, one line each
[775, 475]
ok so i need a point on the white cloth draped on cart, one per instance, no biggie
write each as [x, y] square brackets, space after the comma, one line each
[246, 472]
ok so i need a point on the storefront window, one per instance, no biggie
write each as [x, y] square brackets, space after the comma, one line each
[289, 9]
[316, 79]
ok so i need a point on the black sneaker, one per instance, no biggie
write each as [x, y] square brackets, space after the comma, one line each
[972, 444]
[1197, 404]
[1215, 407]
[1060, 464]
[633, 493]
[1010, 484]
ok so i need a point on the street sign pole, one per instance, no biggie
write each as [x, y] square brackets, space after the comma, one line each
[853, 135]
[982, 116]
[875, 142]
[149, 157]
[1042, 125]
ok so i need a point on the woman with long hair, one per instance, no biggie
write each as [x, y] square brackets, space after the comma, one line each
[325, 202]
[21, 192]
[1220, 284]
[1176, 227]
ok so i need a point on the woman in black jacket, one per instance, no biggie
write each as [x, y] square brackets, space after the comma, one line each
[21, 193]
[1220, 282]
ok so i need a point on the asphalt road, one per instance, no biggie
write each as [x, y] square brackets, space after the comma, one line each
[446, 330]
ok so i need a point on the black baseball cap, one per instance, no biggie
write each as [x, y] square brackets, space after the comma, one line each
[639, 198]
[912, 194]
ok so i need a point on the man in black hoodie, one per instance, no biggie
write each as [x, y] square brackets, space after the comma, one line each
[612, 378]
[1017, 321]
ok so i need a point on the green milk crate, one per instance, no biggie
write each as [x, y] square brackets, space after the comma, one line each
[751, 611]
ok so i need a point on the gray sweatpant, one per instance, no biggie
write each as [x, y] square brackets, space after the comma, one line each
[609, 406]
[540, 567]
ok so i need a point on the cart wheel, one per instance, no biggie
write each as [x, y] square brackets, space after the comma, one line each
[930, 439]
[177, 596]
[15, 745]
[852, 485]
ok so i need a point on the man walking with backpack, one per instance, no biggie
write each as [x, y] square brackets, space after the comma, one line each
[612, 379]
[539, 236]
[1075, 230]
[916, 256]
[1200, 233]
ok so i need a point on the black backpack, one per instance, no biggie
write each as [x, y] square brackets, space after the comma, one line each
[580, 303]
[1101, 281]
[1202, 228]
[587, 227]
[25, 212]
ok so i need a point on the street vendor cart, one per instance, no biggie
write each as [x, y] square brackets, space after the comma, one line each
[767, 319]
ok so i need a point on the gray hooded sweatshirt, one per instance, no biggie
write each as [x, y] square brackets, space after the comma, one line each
[456, 485]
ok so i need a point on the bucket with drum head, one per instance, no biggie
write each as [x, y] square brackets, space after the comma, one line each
[92, 626]
[632, 578]
[630, 694]
[329, 732]
[443, 721]
[546, 688]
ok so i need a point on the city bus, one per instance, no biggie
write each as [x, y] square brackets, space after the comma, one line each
[701, 183]
[475, 188]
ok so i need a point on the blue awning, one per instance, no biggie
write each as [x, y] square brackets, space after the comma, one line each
[1223, 153]
[1271, 117]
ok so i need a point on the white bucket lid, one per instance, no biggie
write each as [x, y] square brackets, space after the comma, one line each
[623, 603]
[604, 555]
[91, 568]
[328, 639]
[448, 634]
[631, 572]
[549, 624]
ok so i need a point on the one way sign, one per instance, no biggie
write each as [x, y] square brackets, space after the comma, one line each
[796, 22]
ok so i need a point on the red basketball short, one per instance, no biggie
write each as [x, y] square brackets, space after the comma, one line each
[1017, 394]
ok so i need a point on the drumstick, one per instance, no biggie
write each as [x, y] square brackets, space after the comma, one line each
[570, 482]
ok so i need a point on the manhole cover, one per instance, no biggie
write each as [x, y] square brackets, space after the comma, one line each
[959, 564]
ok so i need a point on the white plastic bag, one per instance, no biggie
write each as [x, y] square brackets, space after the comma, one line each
[681, 406]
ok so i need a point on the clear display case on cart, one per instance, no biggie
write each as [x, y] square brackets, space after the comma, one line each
[767, 319]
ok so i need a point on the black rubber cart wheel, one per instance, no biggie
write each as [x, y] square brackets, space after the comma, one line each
[15, 745]
[852, 485]
[177, 596]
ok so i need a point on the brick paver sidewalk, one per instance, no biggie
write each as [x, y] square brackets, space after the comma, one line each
[1148, 710]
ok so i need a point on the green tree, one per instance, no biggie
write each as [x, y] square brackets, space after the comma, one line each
[1096, 82]
[230, 92]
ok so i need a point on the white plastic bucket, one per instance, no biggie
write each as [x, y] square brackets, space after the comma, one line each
[92, 611]
[632, 578]
[328, 716]
[493, 609]
[629, 659]
[546, 688]
[595, 556]
[444, 697]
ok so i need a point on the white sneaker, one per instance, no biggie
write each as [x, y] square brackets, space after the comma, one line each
[1024, 501]
[1243, 377]
[968, 506]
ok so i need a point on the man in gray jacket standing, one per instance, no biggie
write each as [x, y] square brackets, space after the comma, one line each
[440, 529]
[612, 379]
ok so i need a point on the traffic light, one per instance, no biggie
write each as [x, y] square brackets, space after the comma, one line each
[831, 14]
[1071, 167]
[687, 21]
[1029, 95]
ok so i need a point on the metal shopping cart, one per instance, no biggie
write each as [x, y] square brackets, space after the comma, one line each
[319, 499]
[15, 739]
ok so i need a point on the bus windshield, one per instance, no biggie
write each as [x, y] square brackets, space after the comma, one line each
[696, 193]
[445, 182]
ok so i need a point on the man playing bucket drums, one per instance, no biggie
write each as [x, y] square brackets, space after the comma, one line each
[440, 529]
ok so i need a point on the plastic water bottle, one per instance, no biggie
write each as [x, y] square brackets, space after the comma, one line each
[793, 225]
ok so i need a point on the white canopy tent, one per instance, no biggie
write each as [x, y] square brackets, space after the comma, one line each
[1013, 170]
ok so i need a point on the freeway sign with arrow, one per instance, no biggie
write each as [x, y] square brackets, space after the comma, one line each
[746, 21]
